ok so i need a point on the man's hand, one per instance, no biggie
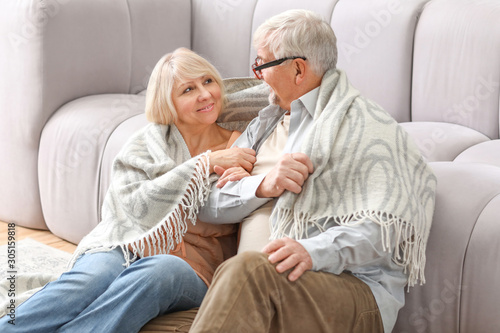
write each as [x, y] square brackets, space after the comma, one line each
[289, 253]
[289, 173]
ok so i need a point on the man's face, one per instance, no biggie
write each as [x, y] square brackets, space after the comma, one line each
[279, 79]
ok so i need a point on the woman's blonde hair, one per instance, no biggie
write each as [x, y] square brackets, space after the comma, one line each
[182, 64]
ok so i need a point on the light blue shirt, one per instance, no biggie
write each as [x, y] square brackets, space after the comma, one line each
[357, 249]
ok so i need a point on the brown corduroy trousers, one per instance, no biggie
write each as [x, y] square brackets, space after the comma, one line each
[248, 295]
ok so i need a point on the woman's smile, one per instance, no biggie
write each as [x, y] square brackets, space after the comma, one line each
[207, 108]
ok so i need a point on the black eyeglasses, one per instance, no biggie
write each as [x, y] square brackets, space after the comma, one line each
[257, 69]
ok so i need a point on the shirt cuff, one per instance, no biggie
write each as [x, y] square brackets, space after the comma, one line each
[323, 258]
[249, 186]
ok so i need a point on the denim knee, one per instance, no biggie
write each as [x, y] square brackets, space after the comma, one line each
[99, 266]
[164, 268]
[167, 279]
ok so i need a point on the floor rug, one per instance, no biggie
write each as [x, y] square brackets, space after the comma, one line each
[25, 269]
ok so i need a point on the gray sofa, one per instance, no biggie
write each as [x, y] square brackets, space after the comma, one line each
[72, 80]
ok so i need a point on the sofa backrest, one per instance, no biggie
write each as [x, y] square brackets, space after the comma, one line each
[222, 33]
[421, 60]
[56, 51]
[375, 43]
[456, 66]
[363, 28]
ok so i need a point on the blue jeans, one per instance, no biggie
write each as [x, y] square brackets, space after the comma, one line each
[99, 294]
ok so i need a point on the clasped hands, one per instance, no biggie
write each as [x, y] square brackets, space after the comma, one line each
[289, 173]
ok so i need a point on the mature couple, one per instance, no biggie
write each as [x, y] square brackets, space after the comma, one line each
[343, 196]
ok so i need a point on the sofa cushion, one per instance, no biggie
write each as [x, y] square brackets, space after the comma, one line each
[156, 27]
[71, 149]
[464, 195]
[221, 33]
[375, 47]
[442, 141]
[456, 72]
[479, 311]
[115, 142]
[487, 152]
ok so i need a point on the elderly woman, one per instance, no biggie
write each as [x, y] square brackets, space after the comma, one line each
[150, 255]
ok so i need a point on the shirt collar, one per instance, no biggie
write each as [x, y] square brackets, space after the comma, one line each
[309, 100]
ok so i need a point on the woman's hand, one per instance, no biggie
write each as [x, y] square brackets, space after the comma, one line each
[229, 175]
[232, 157]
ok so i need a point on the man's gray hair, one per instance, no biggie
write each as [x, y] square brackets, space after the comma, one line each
[299, 32]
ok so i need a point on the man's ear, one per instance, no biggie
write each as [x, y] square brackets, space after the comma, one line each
[300, 70]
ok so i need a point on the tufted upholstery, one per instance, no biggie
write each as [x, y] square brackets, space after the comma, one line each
[73, 74]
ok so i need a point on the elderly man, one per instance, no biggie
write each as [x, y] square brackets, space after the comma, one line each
[351, 199]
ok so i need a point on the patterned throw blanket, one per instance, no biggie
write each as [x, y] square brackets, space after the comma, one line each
[366, 168]
[136, 209]
[157, 187]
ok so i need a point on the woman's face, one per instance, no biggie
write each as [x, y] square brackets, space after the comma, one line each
[197, 101]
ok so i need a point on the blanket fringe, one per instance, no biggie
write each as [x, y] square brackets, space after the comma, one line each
[411, 253]
[169, 233]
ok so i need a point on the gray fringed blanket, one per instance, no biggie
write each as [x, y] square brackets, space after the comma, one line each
[365, 168]
[156, 181]
[157, 188]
